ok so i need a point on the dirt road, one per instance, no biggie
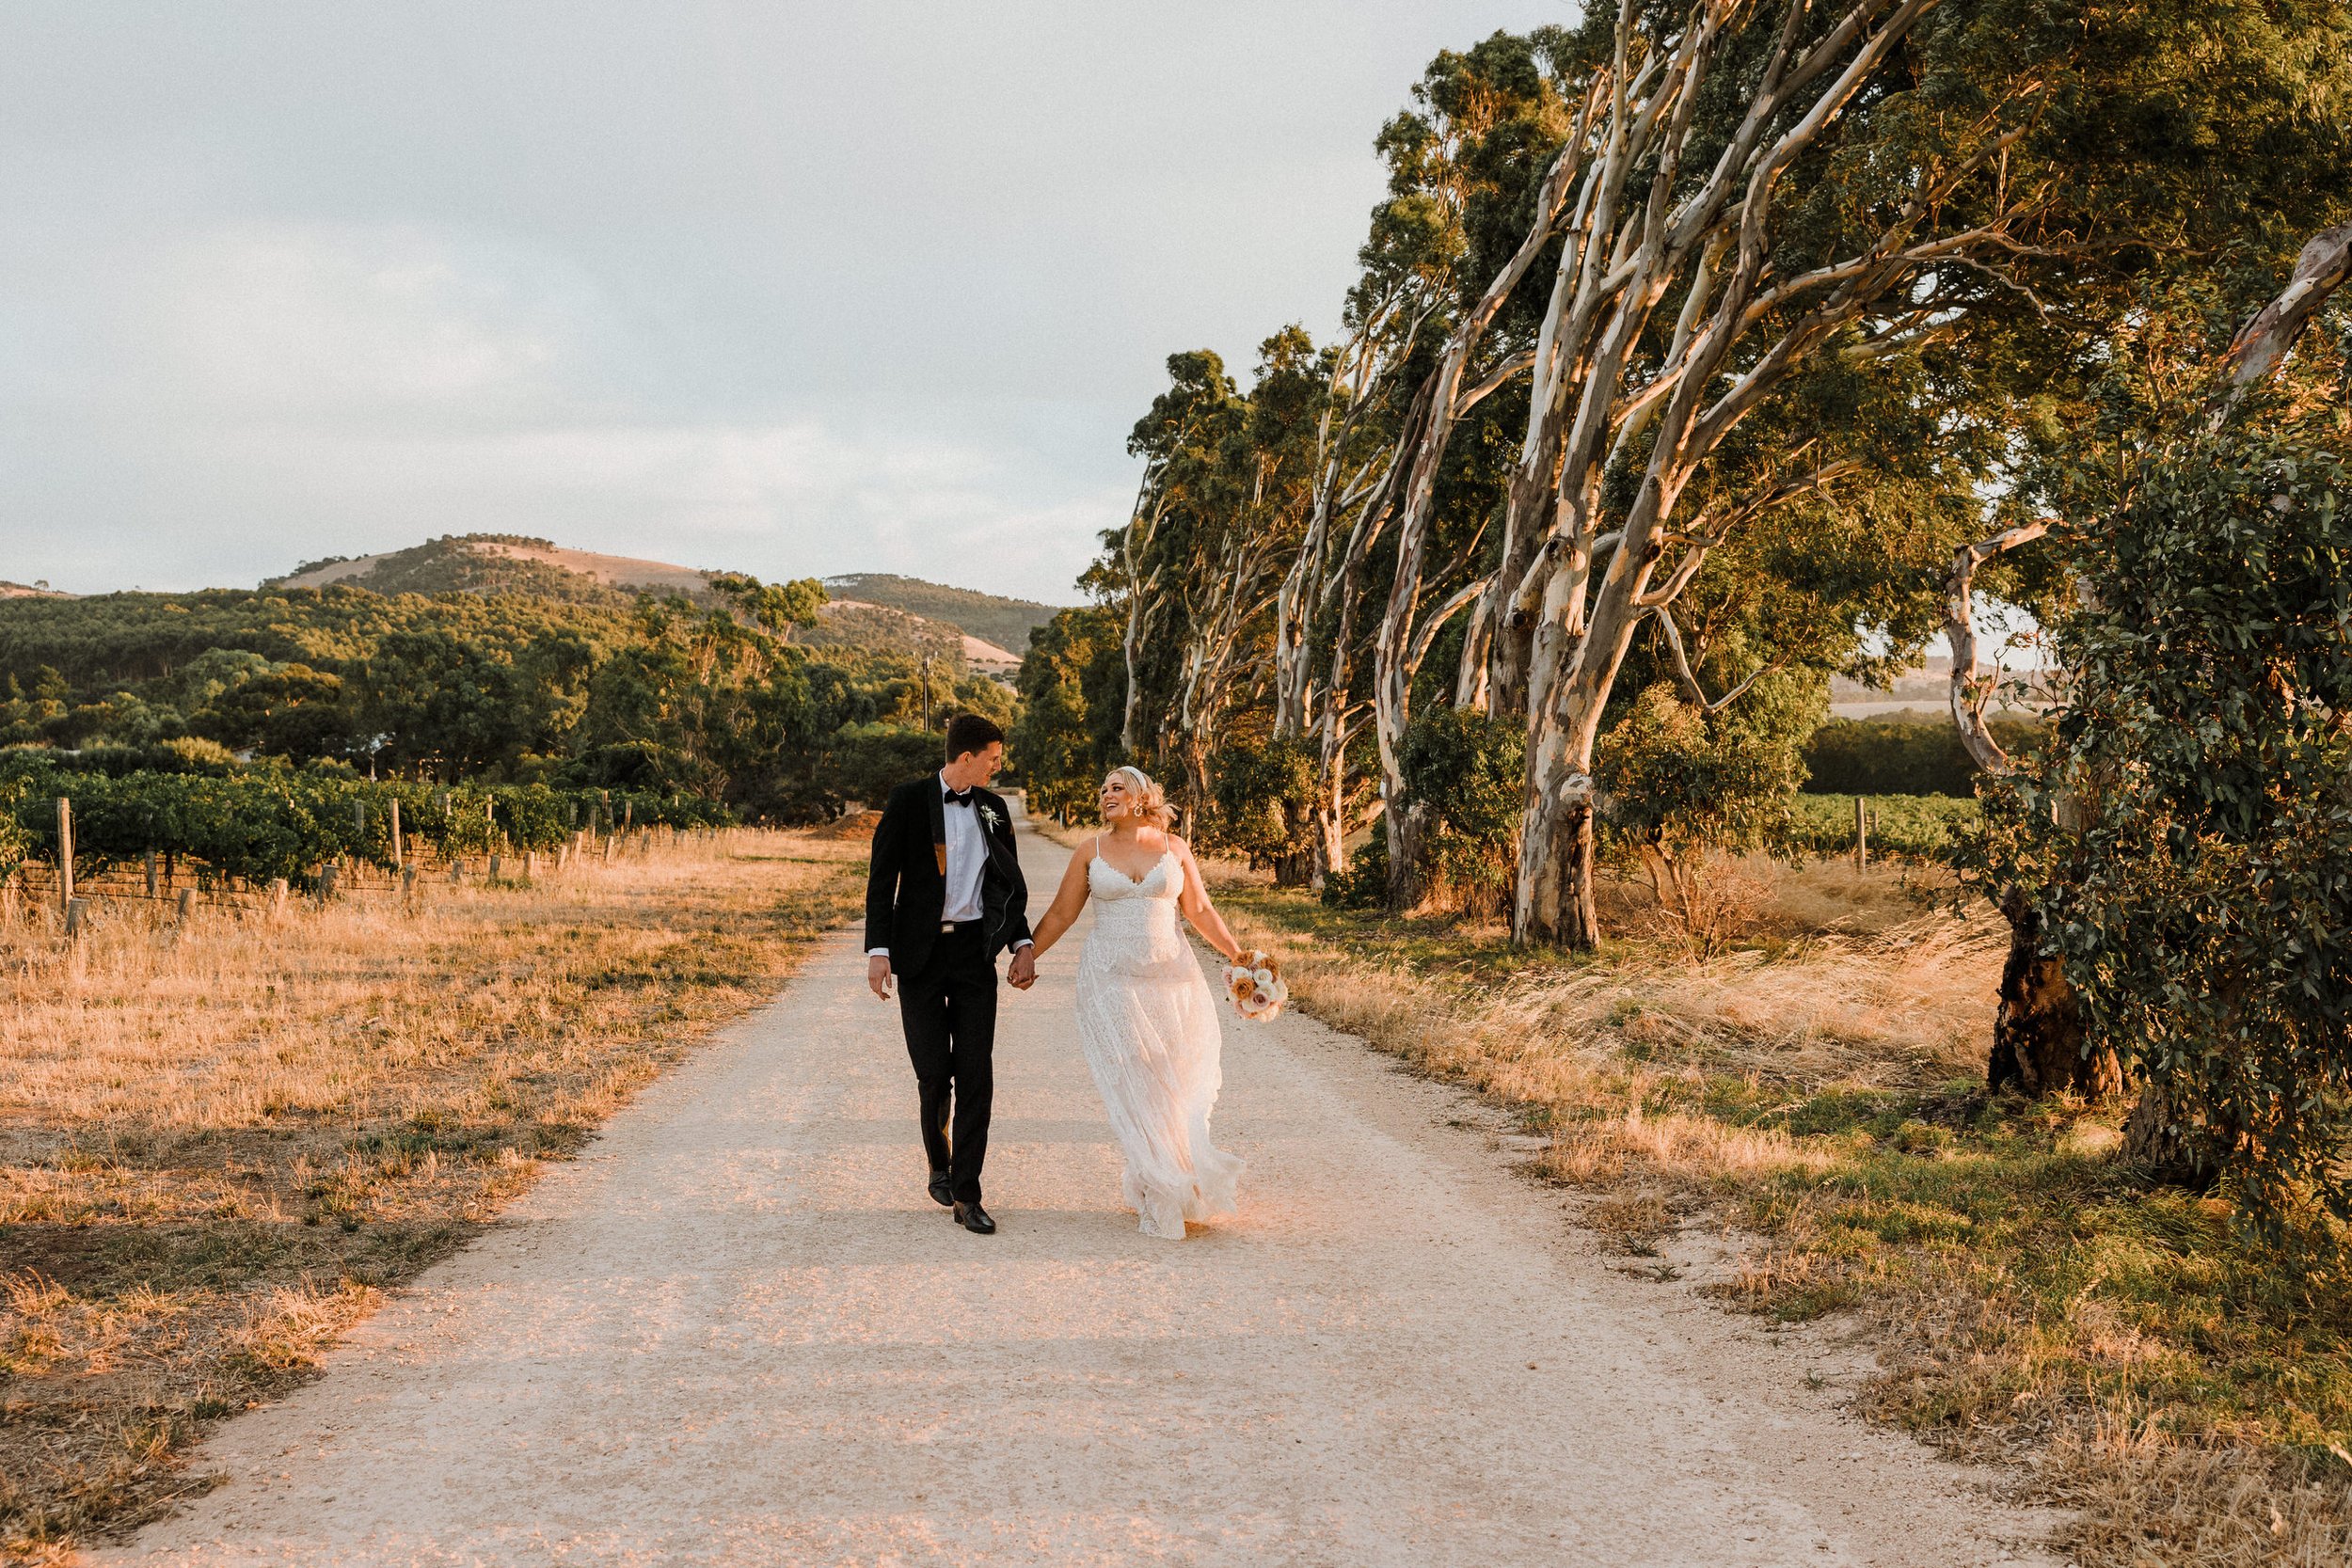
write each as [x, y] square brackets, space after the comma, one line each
[737, 1331]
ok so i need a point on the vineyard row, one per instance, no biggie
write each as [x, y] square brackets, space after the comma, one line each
[260, 826]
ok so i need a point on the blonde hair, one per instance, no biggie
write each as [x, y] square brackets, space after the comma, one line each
[1152, 799]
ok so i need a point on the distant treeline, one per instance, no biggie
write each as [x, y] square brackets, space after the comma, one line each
[1900, 755]
[666, 696]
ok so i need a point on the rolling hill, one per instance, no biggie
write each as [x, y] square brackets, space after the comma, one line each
[869, 609]
[1007, 623]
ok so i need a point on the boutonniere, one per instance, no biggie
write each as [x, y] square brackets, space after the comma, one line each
[987, 814]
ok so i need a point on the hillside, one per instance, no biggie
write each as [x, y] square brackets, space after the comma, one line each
[875, 609]
[857, 623]
[1006, 622]
[497, 564]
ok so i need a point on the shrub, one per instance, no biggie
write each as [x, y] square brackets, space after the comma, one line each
[1264, 795]
[2186, 844]
[1465, 773]
[1683, 790]
[1364, 885]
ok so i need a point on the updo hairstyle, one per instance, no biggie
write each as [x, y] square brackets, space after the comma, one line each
[1145, 790]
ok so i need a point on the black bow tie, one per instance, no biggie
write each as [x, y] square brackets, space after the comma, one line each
[956, 797]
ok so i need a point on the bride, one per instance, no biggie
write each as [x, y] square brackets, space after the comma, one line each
[1147, 1018]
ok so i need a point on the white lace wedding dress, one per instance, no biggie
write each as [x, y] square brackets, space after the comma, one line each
[1148, 1023]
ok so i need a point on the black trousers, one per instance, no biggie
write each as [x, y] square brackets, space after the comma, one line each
[948, 1010]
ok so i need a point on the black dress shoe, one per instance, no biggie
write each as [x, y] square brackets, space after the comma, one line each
[943, 1189]
[975, 1219]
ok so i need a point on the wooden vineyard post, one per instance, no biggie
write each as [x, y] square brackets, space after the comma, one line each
[187, 904]
[153, 881]
[277, 895]
[494, 869]
[1861, 833]
[398, 860]
[76, 911]
[457, 871]
[407, 885]
[326, 883]
[531, 865]
[65, 856]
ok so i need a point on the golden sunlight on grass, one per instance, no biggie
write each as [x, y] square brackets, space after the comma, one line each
[219, 1140]
[1815, 1088]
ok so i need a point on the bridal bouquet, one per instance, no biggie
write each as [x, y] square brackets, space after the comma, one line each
[1255, 980]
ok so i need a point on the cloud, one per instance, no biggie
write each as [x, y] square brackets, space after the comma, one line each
[356, 323]
[791, 288]
[290, 391]
[796, 496]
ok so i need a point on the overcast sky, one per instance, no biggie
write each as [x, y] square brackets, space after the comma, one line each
[794, 289]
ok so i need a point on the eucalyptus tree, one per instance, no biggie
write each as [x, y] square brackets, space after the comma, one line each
[1226, 493]
[1473, 159]
[1178, 439]
[1362, 434]
[1762, 194]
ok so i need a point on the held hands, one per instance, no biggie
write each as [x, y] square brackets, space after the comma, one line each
[878, 974]
[1022, 974]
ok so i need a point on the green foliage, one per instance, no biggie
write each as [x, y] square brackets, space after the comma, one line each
[866, 762]
[255, 823]
[2187, 839]
[1264, 793]
[1463, 772]
[130, 638]
[1904, 757]
[1680, 783]
[1072, 683]
[1364, 885]
[710, 694]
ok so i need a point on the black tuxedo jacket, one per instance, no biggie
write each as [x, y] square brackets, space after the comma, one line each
[906, 885]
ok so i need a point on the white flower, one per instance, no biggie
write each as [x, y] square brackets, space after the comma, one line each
[987, 814]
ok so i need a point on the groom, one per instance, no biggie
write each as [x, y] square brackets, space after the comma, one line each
[942, 898]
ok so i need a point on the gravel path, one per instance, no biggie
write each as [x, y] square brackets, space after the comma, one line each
[736, 1331]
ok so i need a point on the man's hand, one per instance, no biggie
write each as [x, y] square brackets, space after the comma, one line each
[878, 974]
[1022, 973]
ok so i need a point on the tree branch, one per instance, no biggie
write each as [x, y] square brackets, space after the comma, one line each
[1970, 694]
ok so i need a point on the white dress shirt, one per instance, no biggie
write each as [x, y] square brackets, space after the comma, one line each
[968, 858]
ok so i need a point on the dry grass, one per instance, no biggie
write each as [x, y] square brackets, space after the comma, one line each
[1815, 1089]
[219, 1142]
